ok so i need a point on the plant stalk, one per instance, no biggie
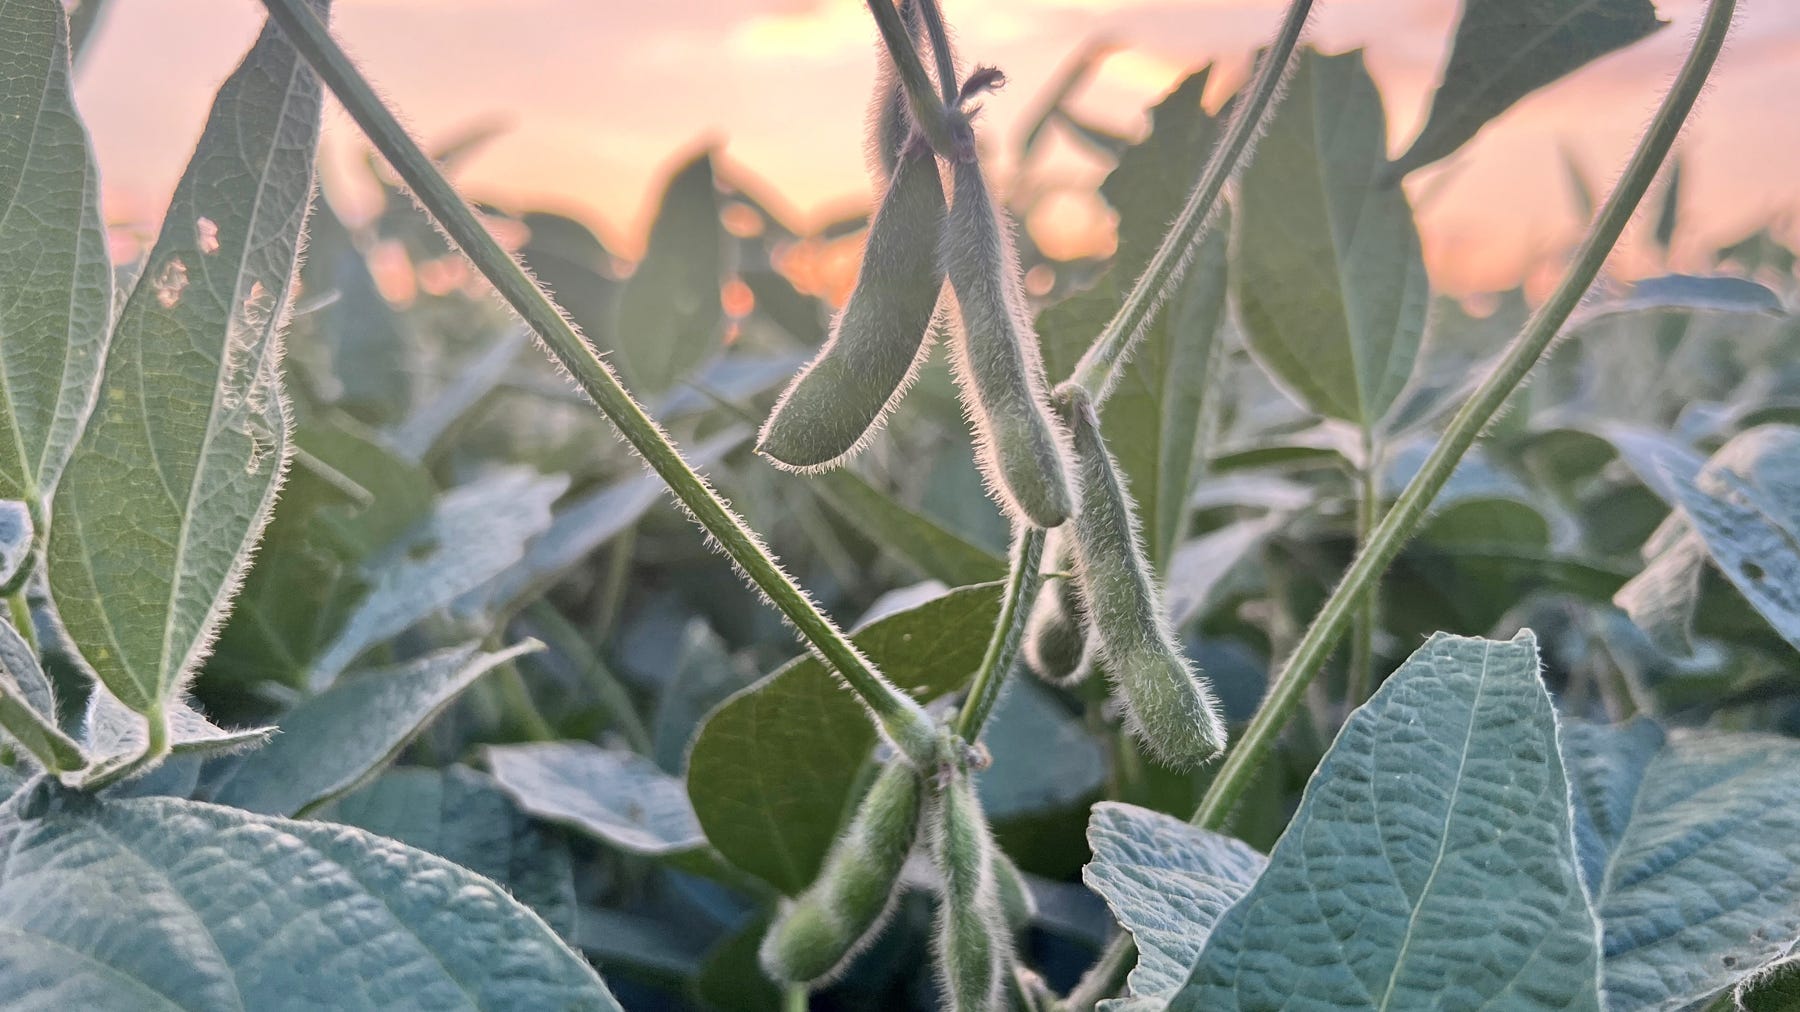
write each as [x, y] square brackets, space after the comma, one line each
[899, 715]
[933, 16]
[1099, 367]
[20, 609]
[928, 109]
[1358, 676]
[1022, 582]
[1464, 429]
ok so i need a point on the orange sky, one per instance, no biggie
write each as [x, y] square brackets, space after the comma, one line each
[599, 95]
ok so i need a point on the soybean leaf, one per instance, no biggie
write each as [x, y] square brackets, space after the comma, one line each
[1436, 834]
[1153, 178]
[113, 733]
[1716, 293]
[669, 317]
[1200, 567]
[55, 276]
[705, 673]
[1043, 759]
[234, 910]
[461, 815]
[773, 769]
[28, 707]
[176, 473]
[372, 360]
[339, 738]
[18, 537]
[932, 550]
[1690, 847]
[475, 532]
[617, 796]
[1329, 276]
[1505, 49]
[1167, 883]
[415, 437]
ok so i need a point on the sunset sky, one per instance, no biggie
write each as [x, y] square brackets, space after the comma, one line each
[599, 96]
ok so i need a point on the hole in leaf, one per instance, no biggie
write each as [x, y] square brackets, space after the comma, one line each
[170, 281]
[1752, 570]
[206, 235]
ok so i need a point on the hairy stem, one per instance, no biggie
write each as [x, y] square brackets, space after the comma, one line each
[929, 110]
[1097, 369]
[933, 17]
[1003, 648]
[1362, 640]
[21, 618]
[898, 714]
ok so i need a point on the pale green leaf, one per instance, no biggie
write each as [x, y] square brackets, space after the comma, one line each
[619, 797]
[1505, 49]
[932, 550]
[1431, 863]
[1329, 276]
[230, 910]
[113, 733]
[55, 277]
[171, 482]
[28, 707]
[332, 742]
[669, 317]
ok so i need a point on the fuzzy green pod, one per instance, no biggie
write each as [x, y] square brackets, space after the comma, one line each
[1017, 906]
[879, 339]
[817, 934]
[972, 952]
[1167, 703]
[1022, 451]
[1058, 648]
[890, 123]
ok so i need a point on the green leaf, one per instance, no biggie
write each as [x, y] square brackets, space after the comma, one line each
[774, 768]
[18, 537]
[932, 550]
[1713, 293]
[1153, 178]
[55, 276]
[1329, 276]
[1167, 883]
[230, 910]
[1200, 568]
[28, 707]
[1691, 849]
[176, 473]
[112, 733]
[705, 673]
[339, 738]
[1043, 759]
[619, 797]
[669, 317]
[474, 533]
[1431, 862]
[1505, 49]
[461, 815]
[416, 436]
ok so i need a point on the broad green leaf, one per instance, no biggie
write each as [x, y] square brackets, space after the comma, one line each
[1431, 862]
[112, 733]
[773, 769]
[334, 741]
[1201, 567]
[229, 910]
[933, 551]
[28, 707]
[705, 673]
[1714, 293]
[1691, 849]
[474, 533]
[1043, 758]
[1505, 49]
[1153, 177]
[171, 482]
[1329, 276]
[1167, 883]
[55, 276]
[619, 797]
[669, 318]
[461, 815]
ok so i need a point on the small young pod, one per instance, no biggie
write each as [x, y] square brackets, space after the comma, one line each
[879, 339]
[972, 950]
[1167, 703]
[817, 934]
[1017, 905]
[1058, 648]
[1023, 452]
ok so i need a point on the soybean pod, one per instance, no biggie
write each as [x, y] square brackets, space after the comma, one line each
[889, 121]
[878, 341]
[972, 937]
[818, 933]
[1167, 703]
[1023, 453]
[1058, 648]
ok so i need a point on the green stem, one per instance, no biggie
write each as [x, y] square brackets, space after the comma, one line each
[899, 715]
[517, 708]
[793, 999]
[1015, 605]
[21, 618]
[933, 16]
[1097, 369]
[929, 111]
[1241, 765]
[1362, 640]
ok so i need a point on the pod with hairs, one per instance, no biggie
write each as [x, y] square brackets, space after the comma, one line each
[1167, 703]
[972, 947]
[1017, 906]
[1058, 648]
[890, 123]
[1023, 452]
[818, 933]
[878, 340]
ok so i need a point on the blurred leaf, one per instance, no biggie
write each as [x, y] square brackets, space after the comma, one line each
[620, 797]
[1668, 215]
[1442, 815]
[773, 769]
[1044, 760]
[29, 705]
[1202, 565]
[55, 277]
[332, 742]
[705, 673]
[1691, 848]
[1580, 190]
[233, 910]
[1152, 180]
[112, 733]
[415, 437]
[1167, 883]
[371, 352]
[570, 260]
[176, 473]
[473, 535]
[931, 550]
[1505, 49]
[18, 535]
[669, 317]
[731, 977]
[1071, 76]
[1329, 276]
[1716, 293]
[461, 815]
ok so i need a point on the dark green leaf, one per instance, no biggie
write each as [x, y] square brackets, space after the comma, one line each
[669, 317]
[935, 552]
